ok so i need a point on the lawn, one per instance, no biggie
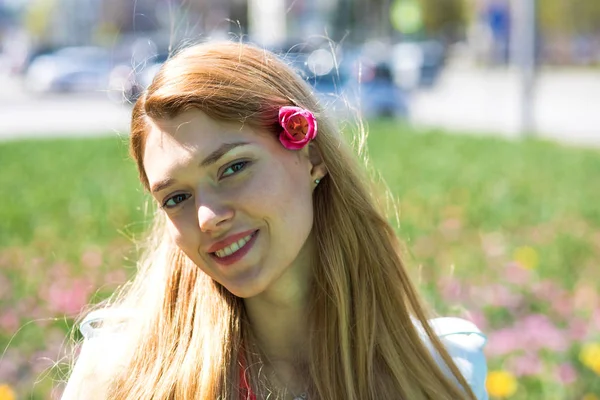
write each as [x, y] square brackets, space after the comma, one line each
[506, 233]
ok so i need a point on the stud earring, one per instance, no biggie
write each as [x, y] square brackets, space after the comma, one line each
[317, 181]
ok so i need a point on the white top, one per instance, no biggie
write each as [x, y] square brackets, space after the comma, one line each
[463, 340]
[465, 343]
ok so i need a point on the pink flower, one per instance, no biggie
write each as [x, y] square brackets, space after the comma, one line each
[502, 342]
[566, 373]
[531, 333]
[451, 227]
[585, 297]
[478, 318]
[562, 304]
[116, 277]
[578, 329]
[546, 290]
[493, 244]
[537, 332]
[517, 275]
[596, 320]
[5, 288]
[10, 365]
[9, 321]
[450, 288]
[299, 127]
[68, 296]
[525, 365]
[91, 259]
[496, 295]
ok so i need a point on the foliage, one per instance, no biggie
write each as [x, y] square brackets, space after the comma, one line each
[569, 17]
[443, 17]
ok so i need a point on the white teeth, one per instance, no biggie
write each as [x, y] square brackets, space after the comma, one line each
[232, 248]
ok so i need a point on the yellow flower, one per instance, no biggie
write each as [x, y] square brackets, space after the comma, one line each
[501, 384]
[7, 393]
[590, 396]
[527, 257]
[590, 356]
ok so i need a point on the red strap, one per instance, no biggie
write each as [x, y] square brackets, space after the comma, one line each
[245, 389]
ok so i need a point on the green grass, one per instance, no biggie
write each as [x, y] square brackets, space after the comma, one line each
[532, 192]
[61, 195]
[69, 209]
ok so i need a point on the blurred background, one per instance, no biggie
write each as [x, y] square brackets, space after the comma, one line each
[484, 121]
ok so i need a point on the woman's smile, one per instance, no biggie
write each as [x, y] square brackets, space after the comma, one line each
[236, 250]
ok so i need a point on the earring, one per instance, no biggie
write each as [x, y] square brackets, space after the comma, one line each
[317, 181]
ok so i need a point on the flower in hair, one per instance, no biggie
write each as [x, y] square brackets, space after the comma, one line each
[299, 127]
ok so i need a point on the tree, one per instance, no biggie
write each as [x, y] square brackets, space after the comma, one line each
[572, 17]
[444, 17]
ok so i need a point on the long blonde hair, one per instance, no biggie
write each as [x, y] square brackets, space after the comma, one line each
[189, 335]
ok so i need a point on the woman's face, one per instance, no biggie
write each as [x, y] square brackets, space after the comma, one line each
[239, 204]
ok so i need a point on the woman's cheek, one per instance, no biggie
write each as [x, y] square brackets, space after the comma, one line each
[182, 233]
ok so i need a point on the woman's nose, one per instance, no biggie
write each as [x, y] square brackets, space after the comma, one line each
[211, 218]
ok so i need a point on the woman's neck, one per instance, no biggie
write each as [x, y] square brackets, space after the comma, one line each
[280, 334]
[278, 316]
[278, 320]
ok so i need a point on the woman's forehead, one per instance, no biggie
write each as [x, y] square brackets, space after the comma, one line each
[193, 127]
[193, 135]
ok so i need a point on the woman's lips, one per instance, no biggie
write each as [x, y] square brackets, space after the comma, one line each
[238, 255]
[228, 241]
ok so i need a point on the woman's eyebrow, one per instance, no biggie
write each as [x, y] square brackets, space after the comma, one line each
[209, 160]
[220, 152]
[162, 185]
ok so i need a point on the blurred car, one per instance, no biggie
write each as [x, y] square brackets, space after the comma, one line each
[434, 58]
[417, 64]
[377, 94]
[350, 82]
[22, 56]
[69, 69]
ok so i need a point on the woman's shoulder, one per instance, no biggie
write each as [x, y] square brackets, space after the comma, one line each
[460, 332]
[104, 321]
[465, 342]
[106, 338]
[102, 353]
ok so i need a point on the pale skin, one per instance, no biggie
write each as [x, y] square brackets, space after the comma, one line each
[258, 186]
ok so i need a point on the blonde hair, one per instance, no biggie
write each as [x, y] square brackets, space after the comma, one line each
[190, 336]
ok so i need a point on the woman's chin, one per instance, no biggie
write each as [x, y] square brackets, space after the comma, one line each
[245, 288]
[244, 292]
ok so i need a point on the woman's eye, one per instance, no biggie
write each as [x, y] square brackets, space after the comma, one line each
[234, 168]
[175, 200]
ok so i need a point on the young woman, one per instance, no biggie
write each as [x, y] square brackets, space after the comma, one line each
[271, 272]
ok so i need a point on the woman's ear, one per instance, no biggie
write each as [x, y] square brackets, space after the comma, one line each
[319, 169]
